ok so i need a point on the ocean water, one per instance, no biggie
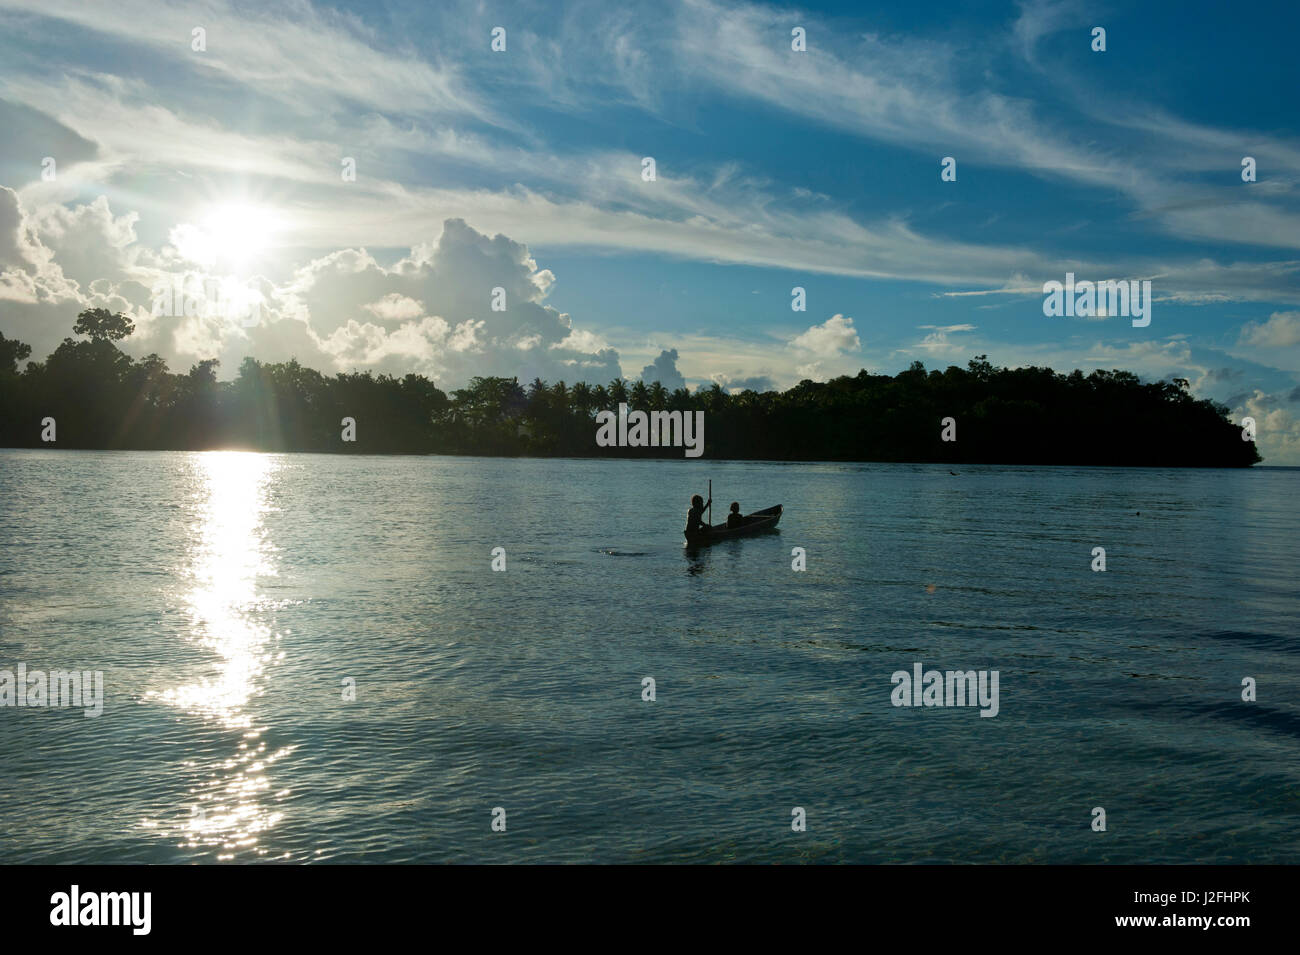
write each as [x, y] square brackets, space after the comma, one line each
[233, 603]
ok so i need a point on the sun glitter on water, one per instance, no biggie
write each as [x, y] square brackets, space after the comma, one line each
[230, 798]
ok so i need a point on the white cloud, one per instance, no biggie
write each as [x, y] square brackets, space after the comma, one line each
[825, 345]
[452, 281]
[298, 53]
[19, 248]
[430, 312]
[829, 339]
[395, 308]
[35, 293]
[1277, 430]
[580, 340]
[1282, 330]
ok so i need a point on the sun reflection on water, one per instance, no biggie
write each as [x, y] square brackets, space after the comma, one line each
[230, 552]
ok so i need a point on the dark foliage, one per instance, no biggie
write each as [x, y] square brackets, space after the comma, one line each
[101, 398]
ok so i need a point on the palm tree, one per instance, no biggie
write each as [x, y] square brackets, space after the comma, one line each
[580, 399]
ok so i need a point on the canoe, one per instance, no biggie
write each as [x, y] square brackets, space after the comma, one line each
[755, 523]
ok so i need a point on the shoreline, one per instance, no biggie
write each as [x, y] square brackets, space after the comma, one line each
[665, 457]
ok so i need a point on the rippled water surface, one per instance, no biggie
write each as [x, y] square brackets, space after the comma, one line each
[231, 600]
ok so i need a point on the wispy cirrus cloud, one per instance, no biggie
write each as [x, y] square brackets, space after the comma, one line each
[305, 55]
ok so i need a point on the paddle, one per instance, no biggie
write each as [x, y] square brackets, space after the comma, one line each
[709, 508]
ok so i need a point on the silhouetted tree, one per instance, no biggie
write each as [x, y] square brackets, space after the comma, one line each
[99, 324]
[11, 353]
[101, 398]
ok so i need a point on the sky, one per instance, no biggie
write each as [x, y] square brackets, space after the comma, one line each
[395, 194]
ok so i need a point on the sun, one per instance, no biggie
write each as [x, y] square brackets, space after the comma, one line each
[228, 237]
[237, 233]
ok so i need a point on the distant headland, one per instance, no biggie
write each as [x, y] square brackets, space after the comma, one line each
[89, 394]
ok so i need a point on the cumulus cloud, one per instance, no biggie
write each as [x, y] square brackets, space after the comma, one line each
[664, 370]
[581, 340]
[1282, 330]
[430, 312]
[1277, 429]
[830, 338]
[395, 308]
[451, 285]
[824, 343]
[15, 243]
[750, 383]
[38, 299]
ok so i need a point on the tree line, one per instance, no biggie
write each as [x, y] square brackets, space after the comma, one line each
[99, 397]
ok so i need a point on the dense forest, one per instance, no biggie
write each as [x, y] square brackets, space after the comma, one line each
[100, 397]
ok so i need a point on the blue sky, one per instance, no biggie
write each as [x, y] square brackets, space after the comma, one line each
[521, 170]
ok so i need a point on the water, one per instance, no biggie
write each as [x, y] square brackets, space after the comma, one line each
[228, 597]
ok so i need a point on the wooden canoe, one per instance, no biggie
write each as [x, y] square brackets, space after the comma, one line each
[755, 523]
